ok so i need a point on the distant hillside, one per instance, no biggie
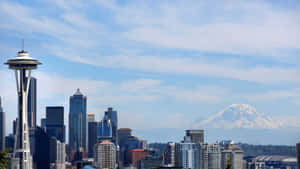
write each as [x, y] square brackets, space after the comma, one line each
[249, 150]
[256, 150]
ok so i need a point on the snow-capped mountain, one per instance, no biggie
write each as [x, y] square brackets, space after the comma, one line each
[240, 116]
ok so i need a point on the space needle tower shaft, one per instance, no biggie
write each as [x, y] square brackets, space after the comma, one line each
[22, 65]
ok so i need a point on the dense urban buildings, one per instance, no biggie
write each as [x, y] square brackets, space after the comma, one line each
[78, 126]
[32, 100]
[2, 127]
[134, 155]
[105, 155]
[55, 122]
[57, 154]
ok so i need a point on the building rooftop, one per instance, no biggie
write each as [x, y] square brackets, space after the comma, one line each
[105, 142]
[137, 150]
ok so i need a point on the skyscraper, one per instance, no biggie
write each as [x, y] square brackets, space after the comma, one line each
[78, 126]
[105, 155]
[55, 122]
[113, 116]
[31, 106]
[57, 153]
[2, 127]
[105, 129]
[197, 136]
[93, 127]
[187, 155]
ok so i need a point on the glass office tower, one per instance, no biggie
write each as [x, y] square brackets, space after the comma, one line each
[78, 126]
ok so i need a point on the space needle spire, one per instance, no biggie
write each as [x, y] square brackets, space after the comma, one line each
[22, 65]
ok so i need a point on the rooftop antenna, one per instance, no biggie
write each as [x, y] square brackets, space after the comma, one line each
[22, 44]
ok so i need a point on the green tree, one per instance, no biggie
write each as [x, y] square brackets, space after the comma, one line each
[229, 165]
[4, 159]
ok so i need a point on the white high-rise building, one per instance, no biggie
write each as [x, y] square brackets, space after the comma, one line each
[105, 155]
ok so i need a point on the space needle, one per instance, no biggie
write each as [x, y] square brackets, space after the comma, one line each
[22, 65]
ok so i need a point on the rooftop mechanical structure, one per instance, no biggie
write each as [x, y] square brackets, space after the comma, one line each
[22, 65]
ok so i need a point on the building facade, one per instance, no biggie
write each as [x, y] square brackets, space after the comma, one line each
[169, 155]
[187, 155]
[105, 155]
[78, 126]
[113, 116]
[55, 122]
[232, 154]
[135, 155]
[196, 136]
[93, 127]
[210, 156]
[57, 154]
[149, 162]
[31, 104]
[2, 127]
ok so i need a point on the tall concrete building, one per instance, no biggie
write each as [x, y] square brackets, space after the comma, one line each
[196, 136]
[55, 122]
[298, 154]
[210, 156]
[187, 155]
[2, 127]
[78, 126]
[105, 155]
[23, 64]
[232, 154]
[169, 155]
[31, 106]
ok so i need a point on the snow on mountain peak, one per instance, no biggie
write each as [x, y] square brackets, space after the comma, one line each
[240, 116]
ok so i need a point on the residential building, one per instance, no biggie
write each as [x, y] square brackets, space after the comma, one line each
[105, 155]
[78, 126]
[187, 155]
[55, 122]
[210, 156]
[232, 154]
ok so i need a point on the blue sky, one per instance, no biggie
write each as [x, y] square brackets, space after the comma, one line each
[161, 64]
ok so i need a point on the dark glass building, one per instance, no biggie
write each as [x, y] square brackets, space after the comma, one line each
[41, 157]
[31, 107]
[55, 122]
[78, 126]
[2, 127]
[196, 136]
[113, 116]
[92, 130]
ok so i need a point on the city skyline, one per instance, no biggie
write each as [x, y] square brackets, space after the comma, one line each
[105, 49]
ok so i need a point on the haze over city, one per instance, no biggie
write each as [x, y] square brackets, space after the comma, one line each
[230, 68]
